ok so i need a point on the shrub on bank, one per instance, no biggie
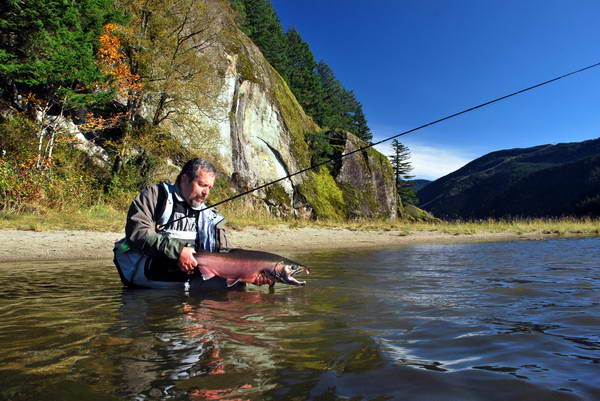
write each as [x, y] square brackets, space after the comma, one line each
[65, 181]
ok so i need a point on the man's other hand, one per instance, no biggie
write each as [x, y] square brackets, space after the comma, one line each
[187, 262]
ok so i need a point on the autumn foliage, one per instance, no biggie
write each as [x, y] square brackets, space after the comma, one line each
[113, 63]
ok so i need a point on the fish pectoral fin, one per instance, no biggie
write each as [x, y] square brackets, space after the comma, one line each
[206, 274]
[232, 281]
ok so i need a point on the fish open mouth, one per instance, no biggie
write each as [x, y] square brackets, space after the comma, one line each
[285, 273]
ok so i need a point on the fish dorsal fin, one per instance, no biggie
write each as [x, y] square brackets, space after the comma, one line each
[232, 281]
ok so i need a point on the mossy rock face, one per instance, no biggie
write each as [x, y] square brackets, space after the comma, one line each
[236, 43]
[276, 195]
[353, 199]
[278, 200]
[321, 192]
[295, 120]
[223, 189]
[264, 138]
[367, 179]
[252, 66]
[413, 213]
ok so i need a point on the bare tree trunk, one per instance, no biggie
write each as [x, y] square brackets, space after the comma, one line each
[133, 107]
[41, 134]
[50, 147]
[38, 162]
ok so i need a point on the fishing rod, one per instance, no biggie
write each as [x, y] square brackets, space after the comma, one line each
[420, 127]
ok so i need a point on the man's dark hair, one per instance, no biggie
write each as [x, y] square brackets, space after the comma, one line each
[191, 168]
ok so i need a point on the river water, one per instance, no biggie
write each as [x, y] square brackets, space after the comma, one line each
[476, 321]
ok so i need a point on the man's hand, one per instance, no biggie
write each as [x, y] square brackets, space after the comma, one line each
[263, 279]
[187, 262]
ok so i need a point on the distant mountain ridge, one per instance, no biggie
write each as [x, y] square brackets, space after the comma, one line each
[541, 181]
[419, 184]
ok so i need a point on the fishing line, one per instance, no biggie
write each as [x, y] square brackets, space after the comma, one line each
[404, 133]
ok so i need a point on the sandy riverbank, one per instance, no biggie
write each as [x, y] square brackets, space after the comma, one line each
[60, 245]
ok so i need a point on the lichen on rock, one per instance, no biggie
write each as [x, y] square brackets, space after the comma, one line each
[324, 196]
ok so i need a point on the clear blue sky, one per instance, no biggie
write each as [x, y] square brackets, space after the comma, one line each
[411, 62]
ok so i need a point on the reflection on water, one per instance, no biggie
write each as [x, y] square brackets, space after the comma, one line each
[181, 342]
[485, 321]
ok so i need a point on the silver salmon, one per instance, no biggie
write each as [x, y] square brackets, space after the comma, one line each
[246, 266]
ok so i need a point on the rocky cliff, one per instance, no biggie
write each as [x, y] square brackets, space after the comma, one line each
[261, 128]
[366, 179]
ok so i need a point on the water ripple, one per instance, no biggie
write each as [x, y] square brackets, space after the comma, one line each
[486, 321]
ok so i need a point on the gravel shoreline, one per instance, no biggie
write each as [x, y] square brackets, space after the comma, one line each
[16, 245]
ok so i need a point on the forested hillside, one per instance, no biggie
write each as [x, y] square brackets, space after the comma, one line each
[102, 97]
[420, 184]
[542, 181]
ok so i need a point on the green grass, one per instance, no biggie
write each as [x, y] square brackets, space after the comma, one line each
[105, 218]
[97, 218]
[558, 226]
[562, 226]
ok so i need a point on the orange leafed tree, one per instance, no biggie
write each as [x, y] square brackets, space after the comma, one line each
[112, 62]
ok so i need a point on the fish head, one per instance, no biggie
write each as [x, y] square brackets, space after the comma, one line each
[285, 270]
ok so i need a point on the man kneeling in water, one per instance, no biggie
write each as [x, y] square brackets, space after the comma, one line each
[166, 226]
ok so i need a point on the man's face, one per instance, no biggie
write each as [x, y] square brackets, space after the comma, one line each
[196, 191]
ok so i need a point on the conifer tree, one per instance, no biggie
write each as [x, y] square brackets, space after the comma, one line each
[341, 108]
[402, 167]
[49, 47]
[360, 123]
[302, 75]
[48, 59]
[354, 118]
[240, 8]
[333, 94]
[260, 23]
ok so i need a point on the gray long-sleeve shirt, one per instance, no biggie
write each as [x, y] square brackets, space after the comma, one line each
[142, 219]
